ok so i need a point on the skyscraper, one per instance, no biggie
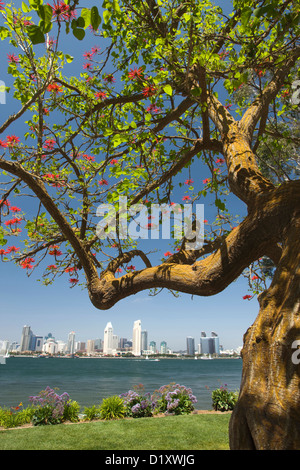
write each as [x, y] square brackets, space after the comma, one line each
[137, 338]
[209, 344]
[108, 339]
[144, 345]
[71, 342]
[26, 338]
[190, 346]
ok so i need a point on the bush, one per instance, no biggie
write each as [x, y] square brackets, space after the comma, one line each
[174, 399]
[138, 404]
[112, 408]
[15, 416]
[51, 408]
[92, 412]
[223, 399]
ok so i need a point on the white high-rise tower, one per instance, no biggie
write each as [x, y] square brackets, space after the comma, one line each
[137, 338]
[108, 342]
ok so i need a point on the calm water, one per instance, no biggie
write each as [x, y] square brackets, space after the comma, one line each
[90, 380]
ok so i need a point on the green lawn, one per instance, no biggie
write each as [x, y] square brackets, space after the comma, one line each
[188, 432]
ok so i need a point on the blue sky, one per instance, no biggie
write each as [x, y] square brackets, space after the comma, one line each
[60, 309]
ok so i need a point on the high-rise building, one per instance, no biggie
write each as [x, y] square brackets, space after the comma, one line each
[152, 347]
[144, 339]
[71, 342]
[108, 339]
[210, 344]
[190, 346]
[163, 347]
[26, 338]
[137, 338]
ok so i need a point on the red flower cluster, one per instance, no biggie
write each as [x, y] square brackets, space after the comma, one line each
[245, 297]
[2, 5]
[130, 268]
[14, 221]
[26, 263]
[54, 250]
[103, 182]
[12, 140]
[100, 95]
[135, 73]
[13, 59]
[62, 11]
[54, 87]
[149, 91]
[49, 144]
[188, 182]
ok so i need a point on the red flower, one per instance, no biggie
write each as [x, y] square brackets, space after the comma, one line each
[49, 144]
[62, 11]
[247, 297]
[207, 180]
[87, 66]
[188, 181]
[54, 87]
[88, 55]
[13, 59]
[12, 249]
[220, 160]
[3, 144]
[12, 140]
[2, 252]
[149, 91]
[168, 253]
[52, 266]
[254, 278]
[70, 269]
[100, 95]
[54, 251]
[73, 280]
[26, 263]
[130, 268]
[2, 5]
[95, 50]
[109, 78]
[153, 109]
[103, 182]
[186, 198]
[135, 73]
[113, 161]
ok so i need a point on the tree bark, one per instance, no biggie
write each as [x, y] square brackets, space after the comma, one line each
[267, 414]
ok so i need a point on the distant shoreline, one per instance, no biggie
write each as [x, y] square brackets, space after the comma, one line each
[138, 358]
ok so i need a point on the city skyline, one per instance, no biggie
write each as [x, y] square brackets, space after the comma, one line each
[111, 342]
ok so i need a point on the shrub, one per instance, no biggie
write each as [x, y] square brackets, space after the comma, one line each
[138, 404]
[223, 399]
[92, 412]
[112, 408]
[51, 408]
[15, 416]
[174, 399]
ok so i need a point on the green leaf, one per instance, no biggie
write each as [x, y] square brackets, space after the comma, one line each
[168, 89]
[35, 34]
[95, 18]
[25, 8]
[45, 12]
[106, 16]
[86, 15]
[79, 33]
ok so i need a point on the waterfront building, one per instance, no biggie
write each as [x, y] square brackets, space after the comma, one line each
[25, 338]
[71, 342]
[163, 347]
[190, 346]
[144, 339]
[137, 338]
[50, 346]
[152, 347]
[209, 344]
[90, 346]
[98, 344]
[108, 339]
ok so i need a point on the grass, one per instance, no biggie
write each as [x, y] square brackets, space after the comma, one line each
[187, 432]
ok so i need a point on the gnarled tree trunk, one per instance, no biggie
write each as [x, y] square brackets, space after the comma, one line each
[267, 416]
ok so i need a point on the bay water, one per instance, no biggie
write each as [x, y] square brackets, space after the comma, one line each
[89, 380]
